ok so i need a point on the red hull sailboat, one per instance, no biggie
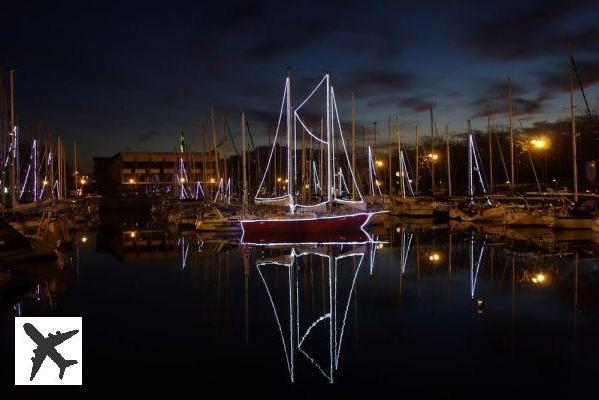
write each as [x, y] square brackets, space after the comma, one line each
[292, 224]
[304, 219]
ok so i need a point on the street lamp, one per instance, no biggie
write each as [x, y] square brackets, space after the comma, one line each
[541, 143]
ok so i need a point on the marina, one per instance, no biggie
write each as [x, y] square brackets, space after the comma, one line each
[300, 200]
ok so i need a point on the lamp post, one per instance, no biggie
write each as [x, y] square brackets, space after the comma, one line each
[542, 143]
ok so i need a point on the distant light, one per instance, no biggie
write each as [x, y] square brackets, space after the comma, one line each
[45, 182]
[397, 173]
[379, 246]
[286, 180]
[433, 156]
[540, 143]
[378, 183]
[182, 180]
[434, 257]
[212, 180]
[132, 234]
[83, 181]
[379, 163]
[279, 179]
[307, 186]
[131, 180]
[539, 279]
[83, 239]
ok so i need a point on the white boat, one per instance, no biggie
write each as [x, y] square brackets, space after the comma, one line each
[213, 220]
[527, 216]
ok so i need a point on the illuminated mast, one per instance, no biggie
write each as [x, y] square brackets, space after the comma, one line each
[329, 166]
[289, 150]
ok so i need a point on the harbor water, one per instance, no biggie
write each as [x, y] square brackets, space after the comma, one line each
[422, 309]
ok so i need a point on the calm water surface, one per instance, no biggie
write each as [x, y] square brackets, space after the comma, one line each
[422, 311]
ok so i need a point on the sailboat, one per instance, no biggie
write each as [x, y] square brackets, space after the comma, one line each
[473, 211]
[310, 218]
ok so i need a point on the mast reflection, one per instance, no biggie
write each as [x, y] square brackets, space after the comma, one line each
[298, 260]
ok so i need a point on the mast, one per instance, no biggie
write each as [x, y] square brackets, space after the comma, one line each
[353, 141]
[490, 149]
[243, 157]
[75, 163]
[417, 163]
[329, 141]
[448, 160]
[13, 134]
[470, 147]
[509, 96]
[213, 125]
[290, 151]
[432, 160]
[389, 153]
[402, 184]
[573, 126]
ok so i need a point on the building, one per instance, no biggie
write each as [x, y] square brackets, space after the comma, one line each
[152, 170]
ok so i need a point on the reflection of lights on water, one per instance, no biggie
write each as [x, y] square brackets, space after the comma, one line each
[480, 306]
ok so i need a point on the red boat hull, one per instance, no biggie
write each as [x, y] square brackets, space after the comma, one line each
[295, 226]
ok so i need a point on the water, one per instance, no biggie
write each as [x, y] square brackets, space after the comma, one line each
[422, 311]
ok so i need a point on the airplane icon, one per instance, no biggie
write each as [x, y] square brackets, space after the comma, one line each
[46, 346]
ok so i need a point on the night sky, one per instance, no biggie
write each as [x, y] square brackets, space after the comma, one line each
[119, 76]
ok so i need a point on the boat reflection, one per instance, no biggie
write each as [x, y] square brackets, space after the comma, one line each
[334, 257]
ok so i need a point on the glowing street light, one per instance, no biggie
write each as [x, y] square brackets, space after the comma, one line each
[212, 180]
[539, 279]
[540, 143]
[83, 239]
[45, 182]
[433, 156]
[182, 180]
[131, 180]
[379, 163]
[434, 257]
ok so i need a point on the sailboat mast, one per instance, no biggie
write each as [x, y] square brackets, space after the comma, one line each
[509, 96]
[213, 128]
[490, 150]
[353, 141]
[329, 141]
[432, 158]
[470, 150]
[290, 151]
[243, 157]
[573, 128]
[75, 162]
[448, 160]
[13, 130]
[389, 153]
[402, 184]
[417, 163]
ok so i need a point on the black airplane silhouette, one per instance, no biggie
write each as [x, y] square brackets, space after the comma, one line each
[46, 347]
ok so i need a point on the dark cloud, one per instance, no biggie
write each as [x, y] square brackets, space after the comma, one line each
[556, 80]
[538, 29]
[416, 104]
[371, 82]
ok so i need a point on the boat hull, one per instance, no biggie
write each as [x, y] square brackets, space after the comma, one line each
[294, 226]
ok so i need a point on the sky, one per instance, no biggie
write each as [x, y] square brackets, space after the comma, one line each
[120, 76]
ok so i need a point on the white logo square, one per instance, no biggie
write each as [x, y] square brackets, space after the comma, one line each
[48, 351]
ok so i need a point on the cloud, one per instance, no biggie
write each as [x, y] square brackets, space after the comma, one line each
[539, 29]
[556, 79]
[371, 82]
